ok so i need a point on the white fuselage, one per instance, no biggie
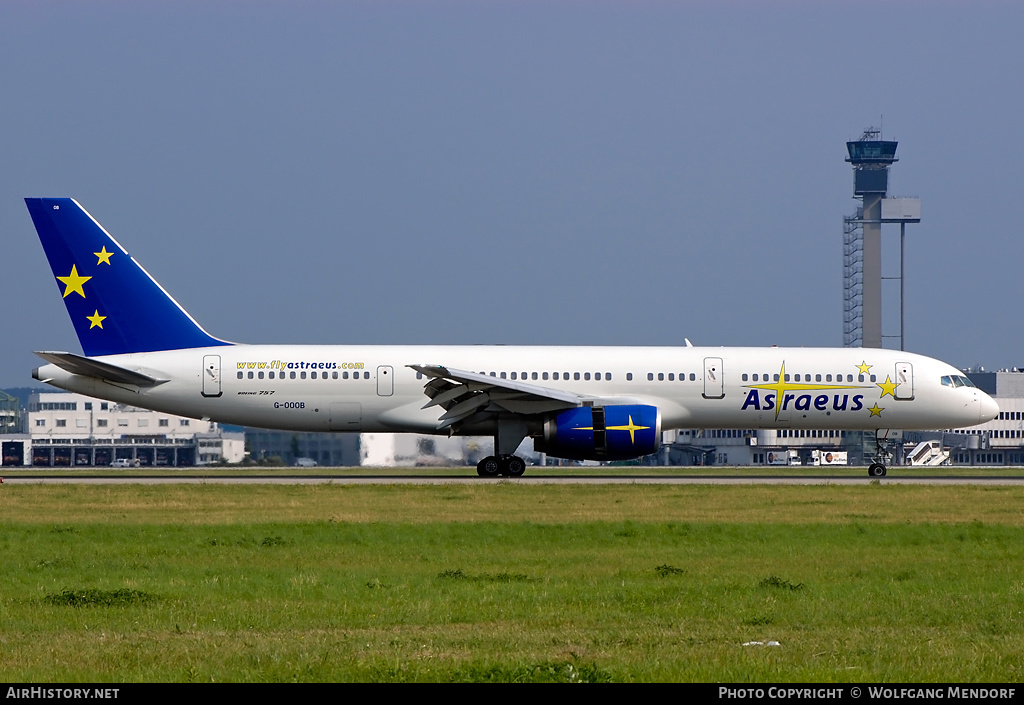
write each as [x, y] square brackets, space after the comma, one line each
[371, 388]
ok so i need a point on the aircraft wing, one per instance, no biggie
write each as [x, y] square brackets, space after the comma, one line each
[462, 394]
[87, 367]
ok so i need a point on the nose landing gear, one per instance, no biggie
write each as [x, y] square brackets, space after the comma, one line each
[883, 453]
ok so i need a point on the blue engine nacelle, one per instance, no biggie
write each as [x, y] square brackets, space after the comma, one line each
[602, 433]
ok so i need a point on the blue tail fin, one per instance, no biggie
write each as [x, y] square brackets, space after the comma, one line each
[114, 303]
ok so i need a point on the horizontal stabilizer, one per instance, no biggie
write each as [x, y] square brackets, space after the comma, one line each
[78, 365]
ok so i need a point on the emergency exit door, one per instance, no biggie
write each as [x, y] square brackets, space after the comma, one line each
[385, 381]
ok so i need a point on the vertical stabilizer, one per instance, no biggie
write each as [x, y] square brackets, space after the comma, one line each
[114, 304]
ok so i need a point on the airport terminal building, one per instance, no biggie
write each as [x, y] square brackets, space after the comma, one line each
[61, 429]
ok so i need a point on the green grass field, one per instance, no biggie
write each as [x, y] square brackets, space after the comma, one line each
[504, 582]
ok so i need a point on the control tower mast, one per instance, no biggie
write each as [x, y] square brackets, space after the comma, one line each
[871, 158]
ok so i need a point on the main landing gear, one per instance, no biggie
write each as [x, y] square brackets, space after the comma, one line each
[509, 433]
[883, 453]
[507, 465]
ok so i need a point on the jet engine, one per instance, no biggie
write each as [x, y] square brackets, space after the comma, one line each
[619, 432]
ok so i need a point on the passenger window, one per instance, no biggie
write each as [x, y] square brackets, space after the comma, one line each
[629, 376]
[661, 376]
[240, 375]
[650, 376]
[576, 376]
[292, 374]
[250, 375]
[302, 375]
[586, 376]
[260, 375]
[671, 376]
[312, 375]
[544, 375]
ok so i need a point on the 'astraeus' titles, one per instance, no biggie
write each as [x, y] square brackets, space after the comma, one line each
[765, 401]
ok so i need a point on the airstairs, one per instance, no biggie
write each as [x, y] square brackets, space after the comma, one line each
[928, 453]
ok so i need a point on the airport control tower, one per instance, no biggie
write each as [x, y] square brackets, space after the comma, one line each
[871, 158]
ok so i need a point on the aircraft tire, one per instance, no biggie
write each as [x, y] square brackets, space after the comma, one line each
[876, 470]
[488, 467]
[513, 466]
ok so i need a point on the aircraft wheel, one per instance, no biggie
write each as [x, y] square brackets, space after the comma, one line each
[513, 466]
[488, 467]
[876, 470]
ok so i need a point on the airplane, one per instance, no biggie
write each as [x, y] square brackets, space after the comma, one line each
[582, 403]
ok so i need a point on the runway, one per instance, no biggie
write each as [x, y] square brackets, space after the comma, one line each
[545, 479]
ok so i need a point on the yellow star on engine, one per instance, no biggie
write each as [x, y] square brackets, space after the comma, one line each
[96, 320]
[876, 410]
[864, 367]
[632, 428]
[888, 387]
[103, 255]
[74, 282]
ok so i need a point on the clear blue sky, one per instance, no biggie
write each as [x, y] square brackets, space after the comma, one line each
[517, 172]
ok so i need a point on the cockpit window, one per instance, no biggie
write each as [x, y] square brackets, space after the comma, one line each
[956, 381]
[947, 381]
[965, 382]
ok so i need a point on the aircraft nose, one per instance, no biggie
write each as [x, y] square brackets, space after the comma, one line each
[989, 408]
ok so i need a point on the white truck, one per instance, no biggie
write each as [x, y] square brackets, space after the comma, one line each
[828, 457]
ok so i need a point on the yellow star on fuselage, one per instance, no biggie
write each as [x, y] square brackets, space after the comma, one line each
[96, 320]
[103, 255]
[74, 282]
[876, 410]
[864, 367]
[888, 387]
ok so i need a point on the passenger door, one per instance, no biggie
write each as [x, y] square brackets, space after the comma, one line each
[904, 380]
[211, 376]
[714, 381]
